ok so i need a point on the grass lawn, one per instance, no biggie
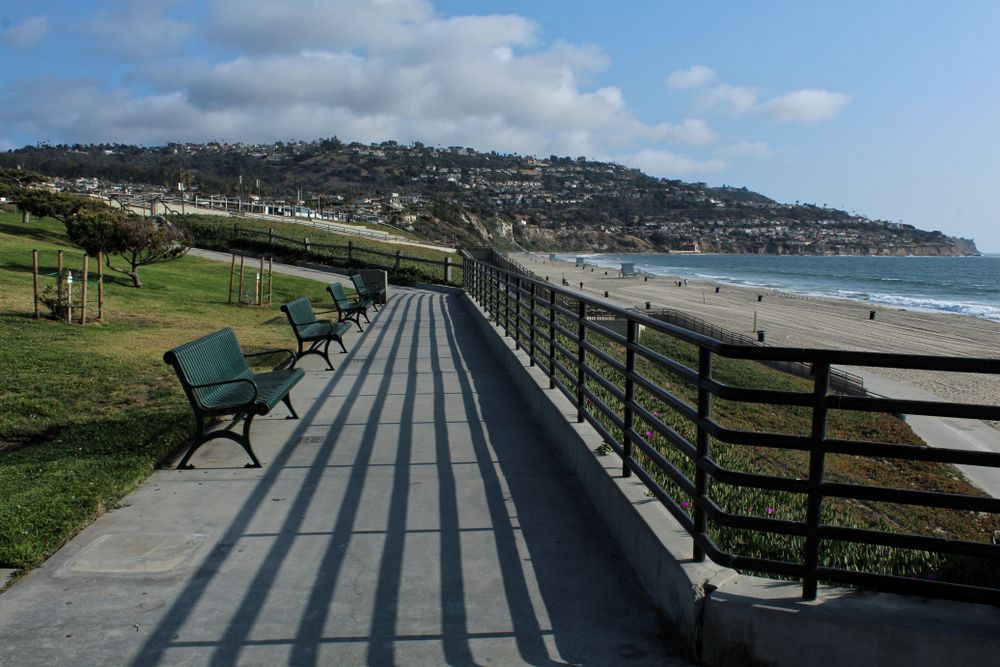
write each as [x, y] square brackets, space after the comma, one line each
[86, 413]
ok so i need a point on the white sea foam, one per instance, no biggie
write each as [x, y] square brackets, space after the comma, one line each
[938, 306]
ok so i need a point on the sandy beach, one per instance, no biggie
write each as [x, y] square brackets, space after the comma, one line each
[799, 321]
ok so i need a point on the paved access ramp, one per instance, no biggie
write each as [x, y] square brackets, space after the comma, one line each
[414, 515]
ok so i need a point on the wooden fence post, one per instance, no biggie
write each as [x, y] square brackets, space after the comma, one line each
[260, 283]
[447, 269]
[305, 242]
[398, 258]
[59, 277]
[239, 296]
[270, 237]
[232, 273]
[100, 286]
[83, 292]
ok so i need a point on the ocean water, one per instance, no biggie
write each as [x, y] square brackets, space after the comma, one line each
[961, 285]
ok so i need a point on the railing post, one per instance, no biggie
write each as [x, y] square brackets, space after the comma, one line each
[447, 269]
[581, 356]
[517, 313]
[492, 293]
[552, 338]
[531, 326]
[630, 340]
[817, 463]
[506, 302]
[702, 451]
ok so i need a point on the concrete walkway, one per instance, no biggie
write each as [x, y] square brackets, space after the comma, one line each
[414, 515]
[969, 434]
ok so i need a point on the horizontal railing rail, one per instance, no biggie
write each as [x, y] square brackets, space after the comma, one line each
[840, 380]
[591, 352]
[350, 252]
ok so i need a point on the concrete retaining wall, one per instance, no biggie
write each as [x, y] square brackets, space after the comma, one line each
[723, 618]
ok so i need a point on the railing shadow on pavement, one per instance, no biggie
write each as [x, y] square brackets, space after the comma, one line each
[473, 424]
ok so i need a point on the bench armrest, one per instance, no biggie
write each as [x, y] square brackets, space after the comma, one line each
[291, 354]
[233, 381]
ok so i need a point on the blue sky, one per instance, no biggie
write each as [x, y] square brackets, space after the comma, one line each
[889, 109]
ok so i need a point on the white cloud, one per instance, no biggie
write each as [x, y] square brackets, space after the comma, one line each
[363, 70]
[693, 131]
[27, 33]
[667, 164]
[734, 99]
[692, 77]
[752, 149]
[805, 106]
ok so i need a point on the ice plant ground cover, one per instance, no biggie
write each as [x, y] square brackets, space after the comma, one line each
[771, 418]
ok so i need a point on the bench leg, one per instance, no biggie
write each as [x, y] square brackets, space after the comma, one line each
[287, 400]
[314, 348]
[199, 440]
[243, 441]
[326, 354]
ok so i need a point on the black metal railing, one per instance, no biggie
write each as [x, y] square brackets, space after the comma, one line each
[840, 380]
[556, 329]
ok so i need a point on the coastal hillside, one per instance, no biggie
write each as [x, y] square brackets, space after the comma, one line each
[466, 197]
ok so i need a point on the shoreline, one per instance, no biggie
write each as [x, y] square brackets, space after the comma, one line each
[796, 320]
[874, 290]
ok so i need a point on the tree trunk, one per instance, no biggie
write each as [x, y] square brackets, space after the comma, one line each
[25, 216]
[134, 275]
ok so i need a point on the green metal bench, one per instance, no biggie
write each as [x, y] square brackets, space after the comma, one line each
[374, 294]
[217, 381]
[317, 333]
[347, 310]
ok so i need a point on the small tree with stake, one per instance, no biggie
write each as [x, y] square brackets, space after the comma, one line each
[128, 241]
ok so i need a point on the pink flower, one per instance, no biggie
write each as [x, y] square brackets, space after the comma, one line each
[649, 434]
[656, 413]
[685, 504]
[770, 510]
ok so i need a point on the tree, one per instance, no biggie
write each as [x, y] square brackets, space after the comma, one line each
[132, 240]
[12, 181]
[48, 204]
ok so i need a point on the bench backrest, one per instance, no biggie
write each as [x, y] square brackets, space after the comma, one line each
[359, 285]
[216, 357]
[300, 312]
[336, 290]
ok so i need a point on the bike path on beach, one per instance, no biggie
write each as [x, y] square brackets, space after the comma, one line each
[966, 434]
[413, 515]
